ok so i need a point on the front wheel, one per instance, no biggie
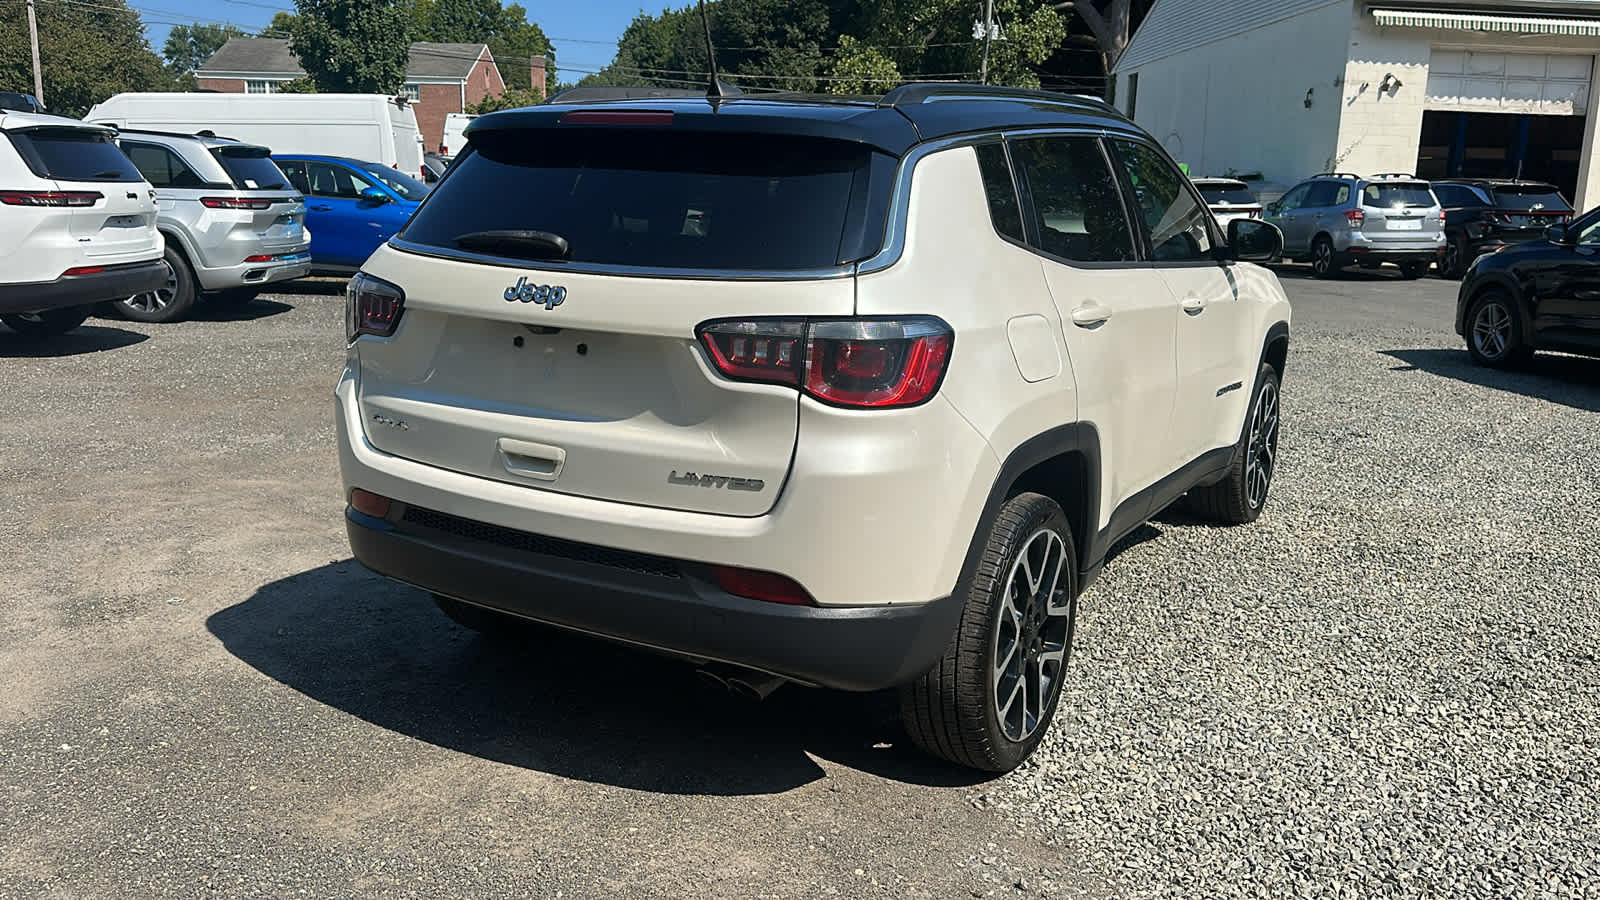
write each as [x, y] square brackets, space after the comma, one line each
[49, 323]
[168, 303]
[1241, 495]
[1494, 332]
[1323, 265]
[989, 700]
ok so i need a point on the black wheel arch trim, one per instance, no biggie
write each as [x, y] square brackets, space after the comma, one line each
[1470, 292]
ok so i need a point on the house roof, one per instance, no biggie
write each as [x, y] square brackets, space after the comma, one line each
[272, 56]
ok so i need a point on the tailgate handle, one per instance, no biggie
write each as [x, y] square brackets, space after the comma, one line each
[541, 462]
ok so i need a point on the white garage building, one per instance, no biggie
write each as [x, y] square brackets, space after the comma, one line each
[1289, 88]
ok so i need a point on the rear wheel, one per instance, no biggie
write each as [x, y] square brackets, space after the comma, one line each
[1494, 332]
[1322, 261]
[1413, 269]
[1240, 497]
[49, 323]
[989, 700]
[1454, 264]
[168, 303]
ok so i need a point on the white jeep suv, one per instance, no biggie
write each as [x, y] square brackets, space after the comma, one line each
[850, 394]
[77, 223]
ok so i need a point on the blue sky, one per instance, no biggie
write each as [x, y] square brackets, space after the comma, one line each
[584, 33]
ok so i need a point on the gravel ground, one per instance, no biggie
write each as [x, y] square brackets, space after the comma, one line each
[1388, 685]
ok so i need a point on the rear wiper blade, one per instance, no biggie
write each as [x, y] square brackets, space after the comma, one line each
[520, 244]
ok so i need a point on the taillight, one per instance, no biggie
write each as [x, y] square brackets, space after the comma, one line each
[49, 198]
[1441, 218]
[1355, 217]
[235, 203]
[768, 587]
[372, 306]
[858, 363]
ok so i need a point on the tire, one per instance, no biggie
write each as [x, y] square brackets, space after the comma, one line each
[1454, 263]
[1240, 496]
[49, 323]
[1323, 262]
[1411, 271]
[955, 711]
[1494, 331]
[169, 304]
[486, 622]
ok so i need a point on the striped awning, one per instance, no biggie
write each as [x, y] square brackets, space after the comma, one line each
[1504, 24]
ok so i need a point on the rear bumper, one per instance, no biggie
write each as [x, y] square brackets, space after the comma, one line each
[111, 283]
[663, 604]
[285, 267]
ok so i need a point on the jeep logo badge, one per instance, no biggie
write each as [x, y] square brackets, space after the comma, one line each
[549, 296]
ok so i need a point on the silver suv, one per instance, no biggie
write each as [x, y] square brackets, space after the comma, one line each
[232, 221]
[1335, 220]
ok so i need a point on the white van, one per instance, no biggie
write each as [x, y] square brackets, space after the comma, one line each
[369, 127]
[455, 138]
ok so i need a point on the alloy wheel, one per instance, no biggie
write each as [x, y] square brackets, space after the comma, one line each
[1452, 258]
[1030, 636]
[156, 300]
[1262, 453]
[1491, 330]
[1322, 263]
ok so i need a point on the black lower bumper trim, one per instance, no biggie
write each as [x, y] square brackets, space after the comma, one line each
[111, 283]
[855, 648]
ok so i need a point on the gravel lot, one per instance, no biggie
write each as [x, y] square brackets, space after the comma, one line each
[1388, 685]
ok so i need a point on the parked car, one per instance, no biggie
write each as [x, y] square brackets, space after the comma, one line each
[683, 374]
[1481, 215]
[233, 223]
[351, 207]
[433, 166]
[1229, 199]
[1535, 295]
[77, 223]
[1335, 220]
[20, 102]
[361, 126]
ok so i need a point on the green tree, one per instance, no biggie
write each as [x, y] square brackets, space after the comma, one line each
[352, 46]
[513, 98]
[282, 25]
[87, 53]
[188, 46]
[860, 69]
[512, 39]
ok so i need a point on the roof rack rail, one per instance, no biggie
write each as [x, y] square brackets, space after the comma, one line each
[931, 91]
[1336, 175]
[1410, 175]
[204, 133]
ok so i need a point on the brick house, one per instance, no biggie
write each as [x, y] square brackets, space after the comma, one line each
[440, 78]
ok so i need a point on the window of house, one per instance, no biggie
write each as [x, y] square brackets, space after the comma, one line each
[260, 87]
[1176, 220]
[1133, 94]
[412, 92]
[1001, 190]
[1076, 205]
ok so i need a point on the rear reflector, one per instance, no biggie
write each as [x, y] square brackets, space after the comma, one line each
[368, 503]
[372, 306]
[236, 203]
[617, 117]
[265, 257]
[49, 198]
[767, 587]
[83, 270]
[857, 363]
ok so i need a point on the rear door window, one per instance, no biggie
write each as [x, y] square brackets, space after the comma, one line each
[161, 167]
[1323, 193]
[1077, 207]
[1397, 194]
[683, 200]
[73, 154]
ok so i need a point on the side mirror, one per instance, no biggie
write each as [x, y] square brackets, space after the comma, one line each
[1272, 208]
[374, 195]
[1252, 240]
[1557, 234]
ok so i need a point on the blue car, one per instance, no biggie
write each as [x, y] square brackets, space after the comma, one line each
[352, 206]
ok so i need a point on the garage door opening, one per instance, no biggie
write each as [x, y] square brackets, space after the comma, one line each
[1501, 145]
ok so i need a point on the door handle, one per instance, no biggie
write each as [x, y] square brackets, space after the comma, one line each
[541, 462]
[1194, 306]
[1090, 315]
[320, 208]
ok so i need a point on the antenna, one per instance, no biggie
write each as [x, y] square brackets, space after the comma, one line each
[716, 90]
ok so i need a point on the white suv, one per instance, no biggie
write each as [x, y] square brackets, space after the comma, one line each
[849, 394]
[77, 223]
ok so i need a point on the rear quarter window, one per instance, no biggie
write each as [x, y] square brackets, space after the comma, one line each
[682, 200]
[72, 154]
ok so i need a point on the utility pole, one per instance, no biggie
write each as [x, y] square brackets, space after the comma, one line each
[988, 34]
[33, 38]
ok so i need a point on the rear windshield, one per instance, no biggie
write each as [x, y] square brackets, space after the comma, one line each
[1397, 195]
[407, 187]
[1225, 193]
[684, 200]
[1531, 198]
[251, 168]
[71, 154]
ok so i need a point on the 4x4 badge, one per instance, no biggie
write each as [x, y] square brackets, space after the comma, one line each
[549, 295]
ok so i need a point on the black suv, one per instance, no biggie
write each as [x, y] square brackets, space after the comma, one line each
[1539, 295]
[1481, 215]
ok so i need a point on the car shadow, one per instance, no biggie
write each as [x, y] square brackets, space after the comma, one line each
[551, 701]
[1303, 272]
[311, 287]
[248, 312]
[1568, 380]
[80, 340]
